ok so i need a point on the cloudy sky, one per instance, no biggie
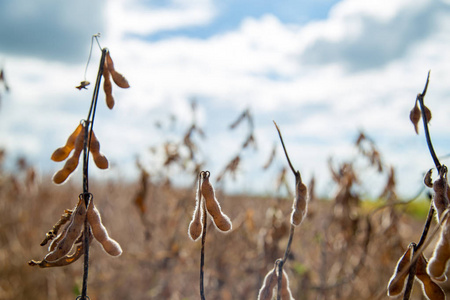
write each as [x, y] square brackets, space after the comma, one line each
[323, 70]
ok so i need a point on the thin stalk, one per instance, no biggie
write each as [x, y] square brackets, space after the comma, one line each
[281, 262]
[202, 254]
[284, 148]
[89, 123]
[420, 98]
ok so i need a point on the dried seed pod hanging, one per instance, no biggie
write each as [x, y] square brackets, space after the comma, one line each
[195, 226]
[430, 289]
[221, 220]
[414, 116]
[397, 282]
[107, 87]
[72, 163]
[62, 153]
[100, 233]
[118, 78]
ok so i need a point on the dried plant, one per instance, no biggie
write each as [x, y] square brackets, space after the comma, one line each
[417, 266]
[299, 211]
[206, 204]
[233, 165]
[84, 221]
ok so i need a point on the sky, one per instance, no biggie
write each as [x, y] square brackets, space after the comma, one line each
[323, 70]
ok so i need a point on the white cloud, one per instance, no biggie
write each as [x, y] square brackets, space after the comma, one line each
[136, 18]
[263, 64]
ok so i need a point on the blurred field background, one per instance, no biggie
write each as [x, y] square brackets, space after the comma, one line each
[345, 249]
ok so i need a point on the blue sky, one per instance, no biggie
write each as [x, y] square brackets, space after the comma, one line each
[322, 69]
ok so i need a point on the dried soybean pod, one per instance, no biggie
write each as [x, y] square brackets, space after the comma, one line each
[116, 76]
[72, 163]
[440, 200]
[107, 87]
[286, 293]
[100, 160]
[270, 282]
[100, 233]
[62, 153]
[439, 259]
[427, 179]
[397, 282]
[73, 231]
[64, 261]
[221, 220]
[414, 116]
[432, 290]
[195, 227]
[300, 205]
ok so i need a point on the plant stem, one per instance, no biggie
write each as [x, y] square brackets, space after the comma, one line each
[281, 262]
[88, 127]
[202, 255]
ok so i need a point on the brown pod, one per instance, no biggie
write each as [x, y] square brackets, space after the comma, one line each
[439, 259]
[270, 282]
[414, 116]
[73, 232]
[107, 87]
[100, 160]
[440, 200]
[62, 153]
[221, 220]
[285, 289]
[195, 229]
[397, 282]
[429, 287]
[118, 78]
[72, 163]
[100, 233]
[300, 205]
[427, 180]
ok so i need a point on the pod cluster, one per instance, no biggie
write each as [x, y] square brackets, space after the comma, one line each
[72, 237]
[397, 283]
[75, 142]
[206, 199]
[269, 287]
[108, 73]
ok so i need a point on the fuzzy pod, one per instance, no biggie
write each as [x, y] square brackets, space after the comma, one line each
[73, 232]
[100, 233]
[414, 116]
[195, 229]
[440, 200]
[72, 163]
[107, 87]
[62, 153]
[118, 78]
[221, 220]
[430, 288]
[300, 205]
[441, 254]
[270, 282]
[427, 180]
[100, 160]
[285, 292]
[397, 282]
